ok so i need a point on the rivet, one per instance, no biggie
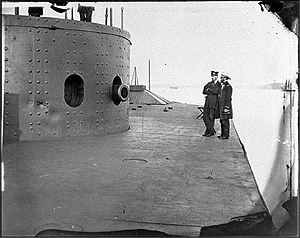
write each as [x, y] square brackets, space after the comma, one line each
[30, 71]
[7, 123]
[39, 123]
[36, 60]
[68, 122]
[67, 33]
[81, 122]
[97, 102]
[38, 50]
[84, 131]
[54, 133]
[53, 40]
[6, 113]
[6, 28]
[46, 61]
[30, 92]
[38, 92]
[97, 73]
[39, 133]
[74, 41]
[74, 51]
[80, 112]
[67, 113]
[46, 50]
[38, 82]
[80, 34]
[80, 52]
[68, 126]
[68, 61]
[29, 30]
[39, 113]
[30, 113]
[74, 112]
[38, 71]
[84, 43]
[68, 72]
[74, 132]
[97, 112]
[31, 128]
[6, 48]
[31, 123]
[38, 31]
[46, 82]
[74, 72]
[74, 122]
[80, 62]
[46, 92]
[97, 125]
[6, 59]
[106, 92]
[74, 62]
[6, 70]
[30, 81]
[14, 37]
[38, 39]
[74, 34]
[80, 72]
[46, 31]
[46, 71]
[68, 51]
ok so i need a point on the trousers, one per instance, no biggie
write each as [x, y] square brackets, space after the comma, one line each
[209, 120]
[225, 127]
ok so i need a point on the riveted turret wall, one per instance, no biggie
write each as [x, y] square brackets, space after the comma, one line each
[58, 79]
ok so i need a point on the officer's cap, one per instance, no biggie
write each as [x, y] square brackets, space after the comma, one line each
[214, 73]
[225, 75]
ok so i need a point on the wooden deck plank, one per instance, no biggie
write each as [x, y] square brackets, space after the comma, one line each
[154, 176]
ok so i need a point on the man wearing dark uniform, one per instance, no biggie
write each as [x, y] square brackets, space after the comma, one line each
[211, 90]
[225, 106]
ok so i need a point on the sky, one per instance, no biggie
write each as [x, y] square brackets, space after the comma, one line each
[184, 41]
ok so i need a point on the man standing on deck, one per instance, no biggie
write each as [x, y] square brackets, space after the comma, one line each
[225, 106]
[211, 90]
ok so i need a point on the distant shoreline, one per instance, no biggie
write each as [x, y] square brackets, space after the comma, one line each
[273, 86]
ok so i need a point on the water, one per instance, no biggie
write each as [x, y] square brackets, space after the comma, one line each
[258, 120]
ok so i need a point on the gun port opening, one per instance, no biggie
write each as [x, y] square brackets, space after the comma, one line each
[74, 90]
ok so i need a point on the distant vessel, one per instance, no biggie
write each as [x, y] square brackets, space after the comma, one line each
[173, 87]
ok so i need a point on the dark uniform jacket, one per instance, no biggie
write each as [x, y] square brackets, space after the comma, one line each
[225, 101]
[212, 90]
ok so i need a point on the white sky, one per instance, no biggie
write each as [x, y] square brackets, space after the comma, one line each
[186, 40]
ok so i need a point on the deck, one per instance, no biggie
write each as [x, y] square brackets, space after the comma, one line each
[159, 175]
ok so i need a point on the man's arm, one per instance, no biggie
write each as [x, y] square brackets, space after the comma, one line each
[205, 89]
[228, 96]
